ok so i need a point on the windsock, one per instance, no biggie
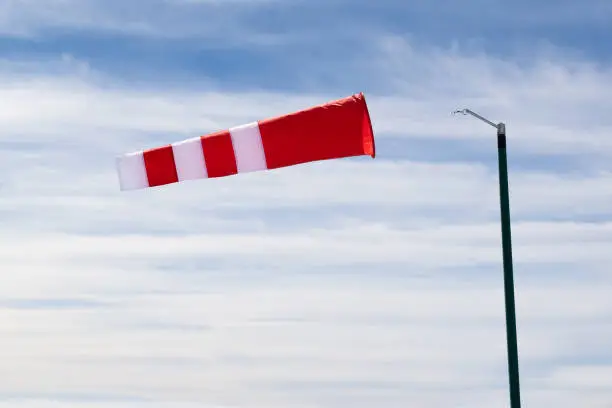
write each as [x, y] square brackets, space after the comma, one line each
[333, 130]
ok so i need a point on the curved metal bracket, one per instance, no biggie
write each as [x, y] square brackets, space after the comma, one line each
[466, 111]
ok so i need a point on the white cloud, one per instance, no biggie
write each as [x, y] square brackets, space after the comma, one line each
[235, 22]
[584, 376]
[250, 345]
[551, 104]
[554, 104]
[231, 308]
[227, 23]
[461, 244]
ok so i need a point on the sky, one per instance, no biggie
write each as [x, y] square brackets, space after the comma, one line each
[356, 282]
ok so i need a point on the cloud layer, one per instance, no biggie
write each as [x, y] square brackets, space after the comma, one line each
[347, 283]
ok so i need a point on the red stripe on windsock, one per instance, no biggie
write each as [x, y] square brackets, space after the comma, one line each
[333, 130]
[160, 166]
[219, 154]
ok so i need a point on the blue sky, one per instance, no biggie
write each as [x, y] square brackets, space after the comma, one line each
[354, 282]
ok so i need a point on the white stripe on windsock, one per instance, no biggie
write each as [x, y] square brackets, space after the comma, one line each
[132, 171]
[333, 130]
[248, 148]
[189, 159]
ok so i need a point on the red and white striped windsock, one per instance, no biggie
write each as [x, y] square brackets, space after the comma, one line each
[336, 129]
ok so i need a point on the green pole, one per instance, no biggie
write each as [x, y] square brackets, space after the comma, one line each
[504, 203]
[504, 200]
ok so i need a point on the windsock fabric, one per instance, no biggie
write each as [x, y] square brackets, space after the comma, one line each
[333, 130]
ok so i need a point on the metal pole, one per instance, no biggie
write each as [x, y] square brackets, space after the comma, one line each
[504, 201]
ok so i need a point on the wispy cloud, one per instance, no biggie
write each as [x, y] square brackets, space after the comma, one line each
[553, 104]
[347, 283]
[225, 21]
[179, 18]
